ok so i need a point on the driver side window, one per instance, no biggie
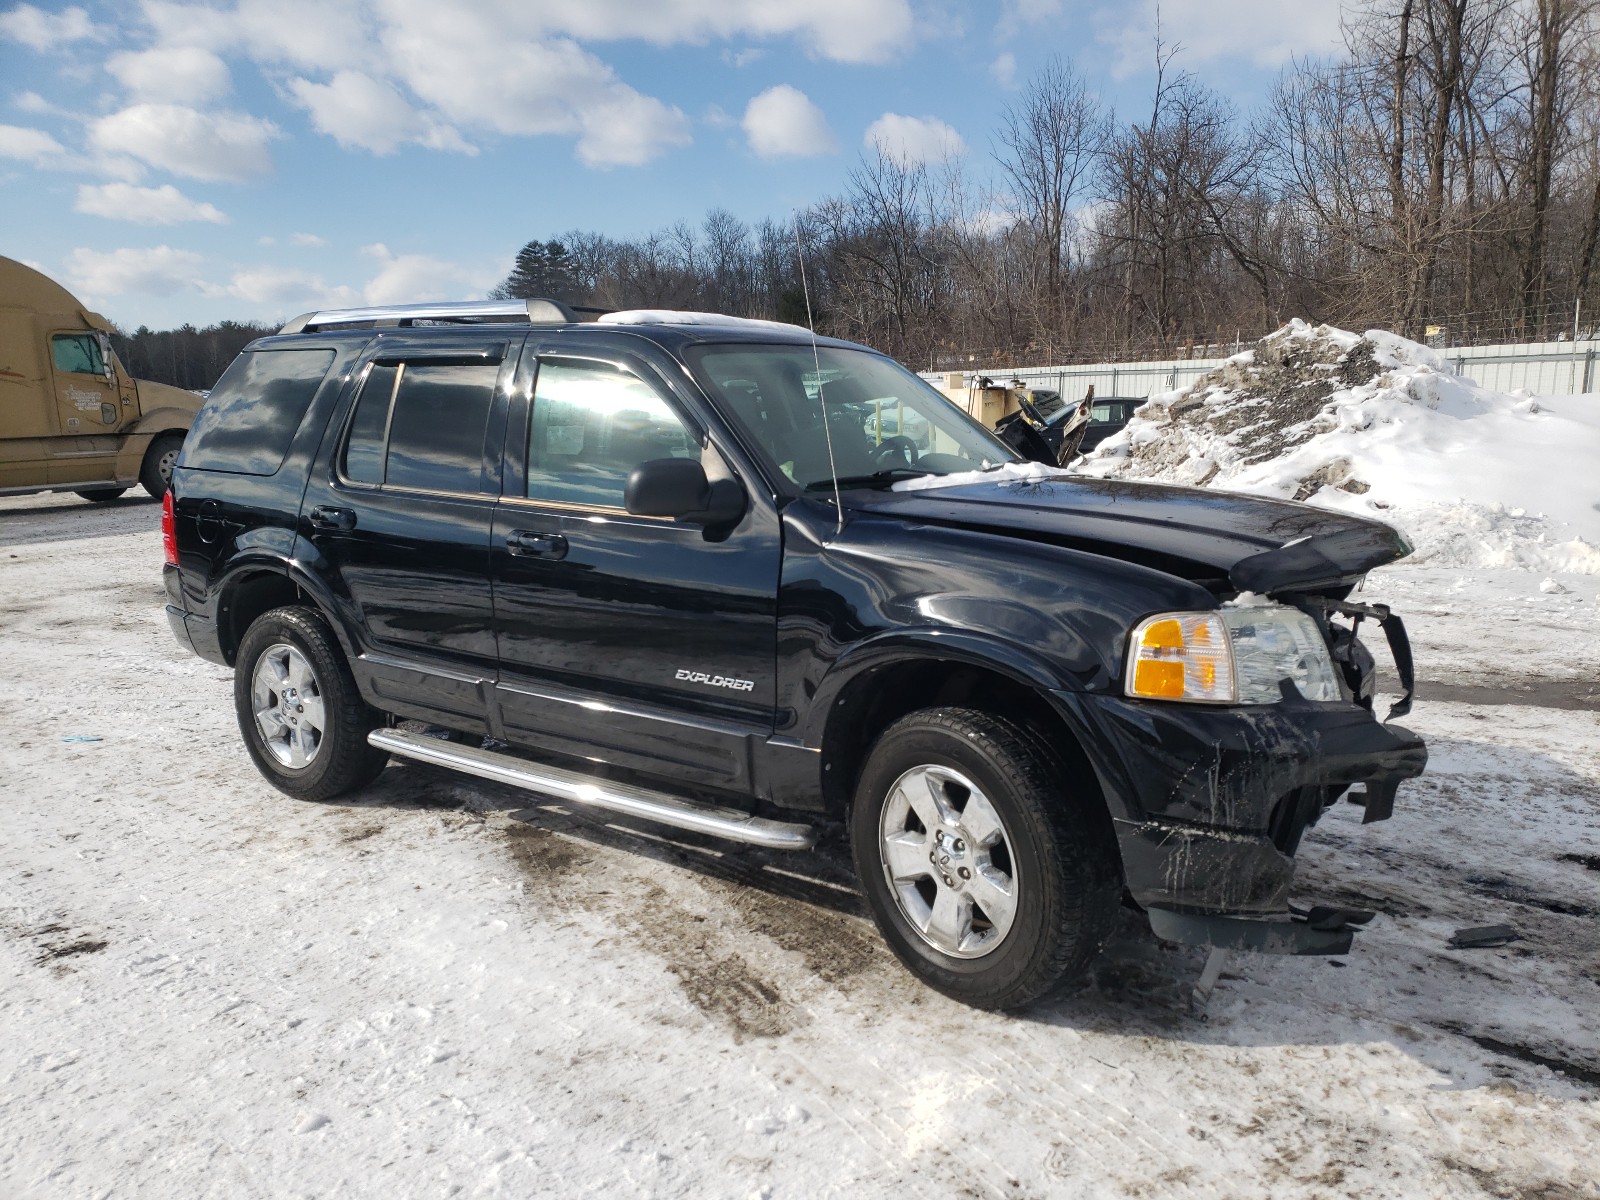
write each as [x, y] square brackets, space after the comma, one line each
[592, 424]
[77, 354]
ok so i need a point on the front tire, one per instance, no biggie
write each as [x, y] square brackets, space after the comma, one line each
[155, 475]
[302, 717]
[990, 872]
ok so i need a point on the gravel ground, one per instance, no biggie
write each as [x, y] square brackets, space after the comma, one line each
[444, 987]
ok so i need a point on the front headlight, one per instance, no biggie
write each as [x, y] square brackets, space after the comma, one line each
[1236, 655]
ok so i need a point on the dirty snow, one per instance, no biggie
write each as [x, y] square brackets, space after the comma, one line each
[443, 987]
[1379, 426]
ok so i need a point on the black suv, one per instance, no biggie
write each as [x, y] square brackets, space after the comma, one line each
[668, 564]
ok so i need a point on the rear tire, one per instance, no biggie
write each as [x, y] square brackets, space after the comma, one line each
[991, 872]
[155, 476]
[301, 715]
[101, 495]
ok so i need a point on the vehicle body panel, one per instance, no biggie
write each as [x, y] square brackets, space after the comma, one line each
[644, 643]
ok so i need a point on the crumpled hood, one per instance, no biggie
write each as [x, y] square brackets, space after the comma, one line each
[1255, 544]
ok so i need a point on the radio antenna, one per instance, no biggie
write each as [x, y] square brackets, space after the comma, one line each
[816, 357]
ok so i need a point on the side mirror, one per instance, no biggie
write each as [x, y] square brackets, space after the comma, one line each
[678, 488]
[106, 368]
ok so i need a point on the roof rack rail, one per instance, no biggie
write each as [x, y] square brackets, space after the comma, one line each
[536, 311]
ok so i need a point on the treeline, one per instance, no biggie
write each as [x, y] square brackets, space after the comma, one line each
[186, 357]
[1443, 171]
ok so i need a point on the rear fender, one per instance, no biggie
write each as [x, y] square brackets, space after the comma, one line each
[270, 555]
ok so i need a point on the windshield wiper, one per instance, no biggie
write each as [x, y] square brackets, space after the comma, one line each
[876, 479]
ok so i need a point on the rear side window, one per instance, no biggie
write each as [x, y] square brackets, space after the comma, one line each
[421, 425]
[247, 424]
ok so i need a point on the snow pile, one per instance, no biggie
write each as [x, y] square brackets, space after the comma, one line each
[1379, 426]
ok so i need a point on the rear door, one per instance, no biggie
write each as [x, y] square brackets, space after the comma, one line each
[401, 510]
[635, 641]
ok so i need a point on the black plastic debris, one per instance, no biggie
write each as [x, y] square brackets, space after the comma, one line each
[1482, 937]
[1322, 917]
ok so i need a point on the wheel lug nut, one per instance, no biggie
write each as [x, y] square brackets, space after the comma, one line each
[965, 873]
[960, 845]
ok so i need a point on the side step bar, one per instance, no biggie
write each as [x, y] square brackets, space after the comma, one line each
[727, 823]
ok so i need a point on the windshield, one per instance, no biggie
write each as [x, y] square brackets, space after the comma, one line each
[884, 422]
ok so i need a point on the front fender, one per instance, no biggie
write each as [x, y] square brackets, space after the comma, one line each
[929, 643]
[137, 438]
[166, 419]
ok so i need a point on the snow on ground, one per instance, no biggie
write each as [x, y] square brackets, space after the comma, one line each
[1379, 426]
[440, 988]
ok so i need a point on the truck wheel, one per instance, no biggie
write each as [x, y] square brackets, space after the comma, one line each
[155, 476]
[101, 495]
[302, 718]
[991, 874]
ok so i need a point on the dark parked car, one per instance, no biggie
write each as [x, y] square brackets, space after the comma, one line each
[1107, 417]
[662, 564]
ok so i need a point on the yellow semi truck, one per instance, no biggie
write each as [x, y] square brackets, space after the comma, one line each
[71, 417]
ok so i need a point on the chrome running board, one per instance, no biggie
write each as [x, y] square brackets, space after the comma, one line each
[727, 823]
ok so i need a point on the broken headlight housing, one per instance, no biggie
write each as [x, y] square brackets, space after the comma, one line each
[1239, 654]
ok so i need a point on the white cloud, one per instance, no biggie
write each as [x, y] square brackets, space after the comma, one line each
[359, 111]
[782, 122]
[912, 140]
[1266, 33]
[32, 102]
[411, 278]
[309, 34]
[158, 271]
[306, 239]
[527, 87]
[214, 147]
[181, 74]
[283, 288]
[44, 31]
[29, 145]
[1004, 70]
[626, 129]
[851, 31]
[164, 205]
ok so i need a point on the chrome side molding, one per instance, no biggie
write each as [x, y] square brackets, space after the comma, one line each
[670, 810]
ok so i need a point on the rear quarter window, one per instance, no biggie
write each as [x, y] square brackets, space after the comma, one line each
[253, 412]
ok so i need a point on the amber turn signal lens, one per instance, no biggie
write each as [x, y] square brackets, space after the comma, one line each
[1181, 656]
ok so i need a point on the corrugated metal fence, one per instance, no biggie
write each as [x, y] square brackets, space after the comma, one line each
[1543, 368]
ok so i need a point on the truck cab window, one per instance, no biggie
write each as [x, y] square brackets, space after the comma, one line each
[77, 354]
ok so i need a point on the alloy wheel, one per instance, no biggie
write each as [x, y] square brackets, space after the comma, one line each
[287, 701]
[947, 856]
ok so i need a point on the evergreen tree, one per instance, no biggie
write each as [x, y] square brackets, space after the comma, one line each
[543, 269]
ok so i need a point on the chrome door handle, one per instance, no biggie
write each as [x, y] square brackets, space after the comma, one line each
[526, 543]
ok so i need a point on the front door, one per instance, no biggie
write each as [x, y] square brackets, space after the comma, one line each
[400, 509]
[634, 641]
[88, 410]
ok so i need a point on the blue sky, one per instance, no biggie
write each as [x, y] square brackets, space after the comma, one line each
[173, 161]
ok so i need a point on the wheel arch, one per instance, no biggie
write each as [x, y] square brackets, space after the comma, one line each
[868, 691]
[260, 584]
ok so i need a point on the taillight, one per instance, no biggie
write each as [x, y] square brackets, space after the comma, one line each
[169, 530]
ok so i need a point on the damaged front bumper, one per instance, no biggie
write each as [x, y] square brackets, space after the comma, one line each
[1209, 805]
